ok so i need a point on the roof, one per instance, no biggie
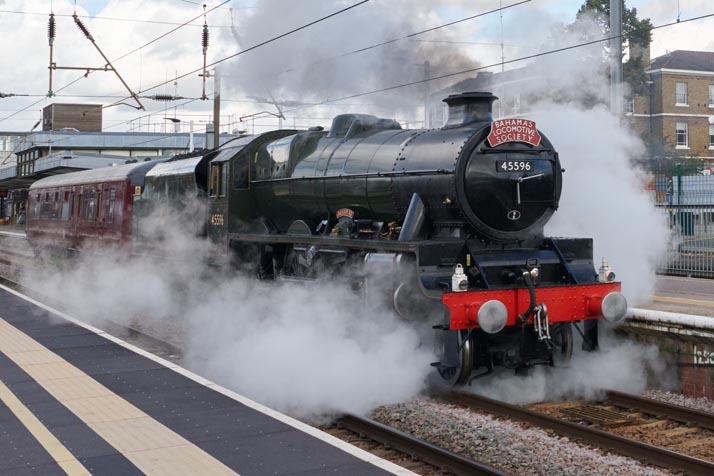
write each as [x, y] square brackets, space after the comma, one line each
[228, 150]
[684, 60]
[175, 167]
[134, 172]
[113, 140]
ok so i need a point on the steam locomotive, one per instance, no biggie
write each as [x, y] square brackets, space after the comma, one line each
[445, 226]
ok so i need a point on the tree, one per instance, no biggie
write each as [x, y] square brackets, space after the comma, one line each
[636, 32]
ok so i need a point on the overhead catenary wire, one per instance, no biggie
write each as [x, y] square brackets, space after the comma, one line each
[402, 38]
[51, 32]
[127, 20]
[182, 25]
[330, 101]
[480, 68]
[43, 97]
[367, 48]
[349, 53]
[283, 35]
[261, 44]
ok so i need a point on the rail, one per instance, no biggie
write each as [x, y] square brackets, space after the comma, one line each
[625, 446]
[420, 449]
[662, 409]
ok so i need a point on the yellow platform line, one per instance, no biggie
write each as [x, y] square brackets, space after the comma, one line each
[64, 458]
[152, 447]
[676, 300]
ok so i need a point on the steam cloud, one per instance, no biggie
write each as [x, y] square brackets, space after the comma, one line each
[310, 350]
[618, 365]
[309, 65]
[604, 193]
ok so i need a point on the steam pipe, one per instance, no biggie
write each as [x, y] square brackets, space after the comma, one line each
[523, 318]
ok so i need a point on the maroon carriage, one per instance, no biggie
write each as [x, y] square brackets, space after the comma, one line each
[85, 208]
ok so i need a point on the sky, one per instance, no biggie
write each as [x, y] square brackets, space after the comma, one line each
[163, 62]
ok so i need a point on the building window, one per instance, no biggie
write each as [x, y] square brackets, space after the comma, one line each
[711, 136]
[681, 96]
[682, 135]
[711, 95]
[630, 106]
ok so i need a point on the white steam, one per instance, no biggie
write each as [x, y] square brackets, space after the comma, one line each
[618, 365]
[322, 62]
[308, 349]
[604, 193]
[312, 349]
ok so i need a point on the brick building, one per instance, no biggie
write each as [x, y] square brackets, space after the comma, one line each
[675, 116]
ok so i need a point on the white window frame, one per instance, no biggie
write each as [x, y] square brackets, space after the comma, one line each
[711, 136]
[711, 96]
[630, 106]
[677, 128]
[677, 95]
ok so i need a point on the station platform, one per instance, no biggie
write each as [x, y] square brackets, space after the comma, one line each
[13, 230]
[682, 295]
[77, 401]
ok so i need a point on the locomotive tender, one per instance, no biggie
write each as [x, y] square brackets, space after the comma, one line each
[445, 225]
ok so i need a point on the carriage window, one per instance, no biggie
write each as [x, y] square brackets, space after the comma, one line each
[55, 207]
[45, 207]
[110, 205]
[241, 173]
[90, 207]
[85, 204]
[219, 181]
[224, 180]
[65, 207]
[213, 181]
[37, 207]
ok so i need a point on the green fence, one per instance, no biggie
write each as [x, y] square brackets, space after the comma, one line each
[684, 193]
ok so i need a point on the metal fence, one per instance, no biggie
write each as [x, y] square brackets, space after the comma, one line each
[685, 196]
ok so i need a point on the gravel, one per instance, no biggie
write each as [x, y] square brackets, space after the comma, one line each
[697, 403]
[506, 445]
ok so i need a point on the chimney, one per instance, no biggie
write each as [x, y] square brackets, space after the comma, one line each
[466, 108]
[638, 50]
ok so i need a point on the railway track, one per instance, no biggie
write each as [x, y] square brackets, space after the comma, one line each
[433, 455]
[604, 426]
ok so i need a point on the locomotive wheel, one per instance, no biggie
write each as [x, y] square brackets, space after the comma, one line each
[457, 357]
[562, 338]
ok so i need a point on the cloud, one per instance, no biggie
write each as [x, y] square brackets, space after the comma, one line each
[694, 35]
[254, 73]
